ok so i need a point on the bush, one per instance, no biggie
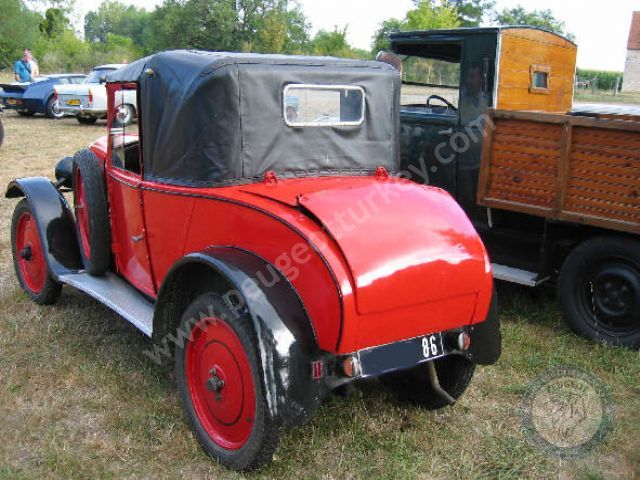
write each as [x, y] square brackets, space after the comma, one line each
[604, 80]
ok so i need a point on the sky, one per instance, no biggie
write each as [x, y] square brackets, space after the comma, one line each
[601, 33]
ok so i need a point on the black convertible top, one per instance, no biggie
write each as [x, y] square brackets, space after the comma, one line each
[212, 118]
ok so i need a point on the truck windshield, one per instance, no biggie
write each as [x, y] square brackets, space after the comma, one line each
[423, 77]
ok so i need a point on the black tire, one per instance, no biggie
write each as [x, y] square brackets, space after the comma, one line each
[1, 131]
[599, 290]
[51, 110]
[87, 120]
[413, 386]
[93, 234]
[26, 113]
[50, 290]
[125, 115]
[264, 435]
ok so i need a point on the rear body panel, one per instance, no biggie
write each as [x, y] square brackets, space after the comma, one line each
[375, 290]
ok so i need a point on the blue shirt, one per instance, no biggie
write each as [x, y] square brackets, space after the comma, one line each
[23, 69]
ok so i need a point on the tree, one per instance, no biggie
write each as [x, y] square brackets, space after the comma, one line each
[19, 29]
[381, 37]
[535, 18]
[426, 16]
[55, 22]
[470, 12]
[113, 17]
[237, 25]
[333, 43]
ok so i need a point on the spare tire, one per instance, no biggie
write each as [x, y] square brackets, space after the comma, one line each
[92, 212]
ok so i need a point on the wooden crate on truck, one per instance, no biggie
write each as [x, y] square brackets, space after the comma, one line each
[573, 168]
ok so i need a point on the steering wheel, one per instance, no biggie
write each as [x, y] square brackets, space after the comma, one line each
[443, 100]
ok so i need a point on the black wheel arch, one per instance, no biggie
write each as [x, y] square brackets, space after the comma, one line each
[562, 238]
[286, 340]
[55, 222]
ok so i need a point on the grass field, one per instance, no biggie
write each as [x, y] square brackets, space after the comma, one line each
[78, 399]
[587, 96]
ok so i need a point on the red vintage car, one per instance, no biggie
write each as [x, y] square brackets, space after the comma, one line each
[256, 227]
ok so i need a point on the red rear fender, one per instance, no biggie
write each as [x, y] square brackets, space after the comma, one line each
[409, 261]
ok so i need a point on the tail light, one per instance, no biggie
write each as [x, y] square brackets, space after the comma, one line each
[351, 366]
[90, 97]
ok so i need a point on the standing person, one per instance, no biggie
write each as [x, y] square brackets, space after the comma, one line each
[22, 69]
[35, 69]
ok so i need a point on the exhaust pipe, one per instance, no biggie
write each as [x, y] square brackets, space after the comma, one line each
[435, 383]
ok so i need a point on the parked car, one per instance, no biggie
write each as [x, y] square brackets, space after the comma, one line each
[552, 189]
[37, 97]
[273, 253]
[88, 101]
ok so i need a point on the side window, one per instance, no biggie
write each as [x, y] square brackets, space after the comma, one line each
[63, 81]
[540, 75]
[323, 105]
[124, 133]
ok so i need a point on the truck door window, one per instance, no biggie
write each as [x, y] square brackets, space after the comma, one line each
[125, 152]
[424, 77]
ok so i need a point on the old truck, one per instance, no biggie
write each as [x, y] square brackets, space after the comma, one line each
[554, 191]
[252, 225]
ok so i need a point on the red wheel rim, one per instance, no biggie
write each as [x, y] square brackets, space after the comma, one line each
[82, 216]
[31, 262]
[220, 383]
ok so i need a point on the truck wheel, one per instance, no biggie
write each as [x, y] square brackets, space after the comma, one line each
[92, 217]
[87, 120]
[124, 115]
[454, 374]
[52, 109]
[29, 257]
[599, 290]
[218, 375]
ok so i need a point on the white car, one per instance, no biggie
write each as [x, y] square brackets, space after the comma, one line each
[88, 101]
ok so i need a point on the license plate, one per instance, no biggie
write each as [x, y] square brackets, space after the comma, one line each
[401, 355]
[432, 346]
[11, 101]
[73, 101]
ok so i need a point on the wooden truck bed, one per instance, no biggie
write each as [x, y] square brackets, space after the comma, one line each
[564, 167]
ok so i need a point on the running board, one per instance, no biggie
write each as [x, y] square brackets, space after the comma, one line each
[516, 275]
[116, 294]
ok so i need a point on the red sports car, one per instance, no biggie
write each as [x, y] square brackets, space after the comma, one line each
[254, 224]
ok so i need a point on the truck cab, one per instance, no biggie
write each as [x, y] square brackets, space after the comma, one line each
[487, 114]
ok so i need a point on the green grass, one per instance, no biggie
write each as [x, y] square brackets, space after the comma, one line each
[588, 96]
[78, 399]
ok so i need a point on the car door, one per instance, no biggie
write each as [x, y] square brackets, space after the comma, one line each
[124, 177]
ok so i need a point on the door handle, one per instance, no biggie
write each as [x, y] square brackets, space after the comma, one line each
[137, 238]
